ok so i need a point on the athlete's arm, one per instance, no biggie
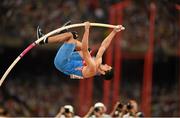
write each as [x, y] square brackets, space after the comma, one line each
[85, 41]
[106, 42]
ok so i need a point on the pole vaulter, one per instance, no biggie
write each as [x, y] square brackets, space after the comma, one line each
[32, 45]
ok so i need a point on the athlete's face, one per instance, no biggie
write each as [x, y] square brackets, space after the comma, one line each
[103, 68]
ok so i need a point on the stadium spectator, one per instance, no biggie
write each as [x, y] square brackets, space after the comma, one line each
[100, 111]
[66, 112]
[132, 110]
[118, 110]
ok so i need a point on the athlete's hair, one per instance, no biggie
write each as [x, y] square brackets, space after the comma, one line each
[108, 74]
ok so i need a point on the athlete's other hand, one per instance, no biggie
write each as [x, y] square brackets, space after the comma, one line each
[87, 25]
[119, 28]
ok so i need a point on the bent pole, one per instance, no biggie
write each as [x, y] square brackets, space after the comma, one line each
[32, 45]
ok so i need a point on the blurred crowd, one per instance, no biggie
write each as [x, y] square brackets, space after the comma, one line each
[20, 18]
[41, 97]
[99, 111]
[166, 28]
[45, 95]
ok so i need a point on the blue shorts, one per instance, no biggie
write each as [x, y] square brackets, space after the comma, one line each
[69, 61]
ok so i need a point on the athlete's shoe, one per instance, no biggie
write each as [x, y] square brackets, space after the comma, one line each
[40, 34]
[45, 40]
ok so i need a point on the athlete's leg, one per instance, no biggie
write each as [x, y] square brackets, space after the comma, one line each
[65, 37]
[65, 51]
[60, 38]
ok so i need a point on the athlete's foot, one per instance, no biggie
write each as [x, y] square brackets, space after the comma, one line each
[39, 32]
[39, 35]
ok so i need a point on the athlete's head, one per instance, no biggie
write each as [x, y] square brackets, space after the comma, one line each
[108, 74]
[106, 71]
